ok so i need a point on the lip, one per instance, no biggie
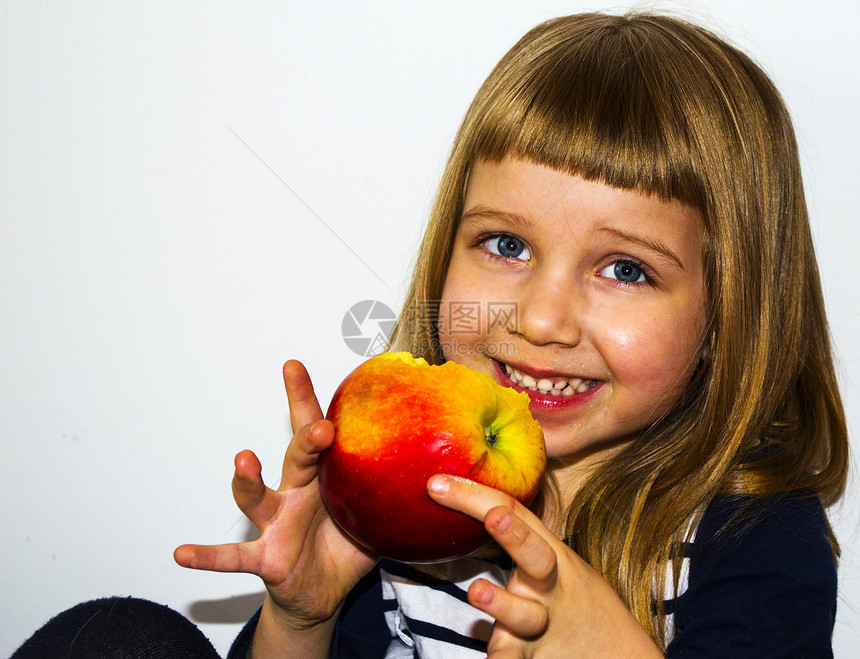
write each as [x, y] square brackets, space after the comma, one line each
[540, 402]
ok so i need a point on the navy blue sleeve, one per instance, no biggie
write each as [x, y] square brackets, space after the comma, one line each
[240, 647]
[361, 631]
[765, 588]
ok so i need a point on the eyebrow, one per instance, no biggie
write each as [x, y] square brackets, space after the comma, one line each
[649, 243]
[480, 212]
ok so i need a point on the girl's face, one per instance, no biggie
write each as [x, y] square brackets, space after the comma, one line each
[587, 297]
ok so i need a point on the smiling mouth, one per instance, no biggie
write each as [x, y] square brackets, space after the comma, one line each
[550, 386]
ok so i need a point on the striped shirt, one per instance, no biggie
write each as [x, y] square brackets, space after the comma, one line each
[428, 614]
[427, 611]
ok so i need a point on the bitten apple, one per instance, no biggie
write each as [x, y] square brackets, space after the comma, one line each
[398, 421]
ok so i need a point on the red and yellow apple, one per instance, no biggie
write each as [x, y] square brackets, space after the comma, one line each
[399, 420]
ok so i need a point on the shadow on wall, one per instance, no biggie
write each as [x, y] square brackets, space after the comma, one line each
[239, 608]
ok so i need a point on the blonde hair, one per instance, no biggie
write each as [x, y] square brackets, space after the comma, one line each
[659, 105]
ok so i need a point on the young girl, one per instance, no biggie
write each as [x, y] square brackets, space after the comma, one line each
[631, 186]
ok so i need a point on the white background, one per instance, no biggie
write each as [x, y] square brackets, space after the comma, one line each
[191, 193]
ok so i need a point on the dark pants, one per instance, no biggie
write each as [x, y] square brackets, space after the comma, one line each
[118, 628]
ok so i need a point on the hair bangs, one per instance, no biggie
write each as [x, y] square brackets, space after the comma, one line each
[602, 106]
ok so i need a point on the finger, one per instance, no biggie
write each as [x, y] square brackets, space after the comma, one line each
[302, 456]
[523, 617]
[258, 502]
[511, 652]
[477, 500]
[467, 496]
[534, 557]
[304, 406]
[504, 645]
[235, 557]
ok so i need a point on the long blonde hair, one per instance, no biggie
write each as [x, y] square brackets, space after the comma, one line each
[655, 104]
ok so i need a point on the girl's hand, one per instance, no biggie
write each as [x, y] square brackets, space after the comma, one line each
[555, 604]
[306, 562]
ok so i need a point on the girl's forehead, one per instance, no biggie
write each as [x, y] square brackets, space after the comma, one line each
[535, 188]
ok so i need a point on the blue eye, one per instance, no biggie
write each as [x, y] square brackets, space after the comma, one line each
[624, 271]
[627, 272]
[507, 246]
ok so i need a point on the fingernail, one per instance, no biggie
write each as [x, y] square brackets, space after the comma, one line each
[438, 484]
[504, 521]
[483, 592]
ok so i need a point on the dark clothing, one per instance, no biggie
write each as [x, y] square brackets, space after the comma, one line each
[765, 588]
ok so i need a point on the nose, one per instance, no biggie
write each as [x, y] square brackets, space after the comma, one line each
[549, 313]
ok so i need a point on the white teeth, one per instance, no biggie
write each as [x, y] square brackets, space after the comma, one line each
[548, 386]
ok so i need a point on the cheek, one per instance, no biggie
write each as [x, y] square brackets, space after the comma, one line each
[459, 321]
[467, 308]
[653, 358]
